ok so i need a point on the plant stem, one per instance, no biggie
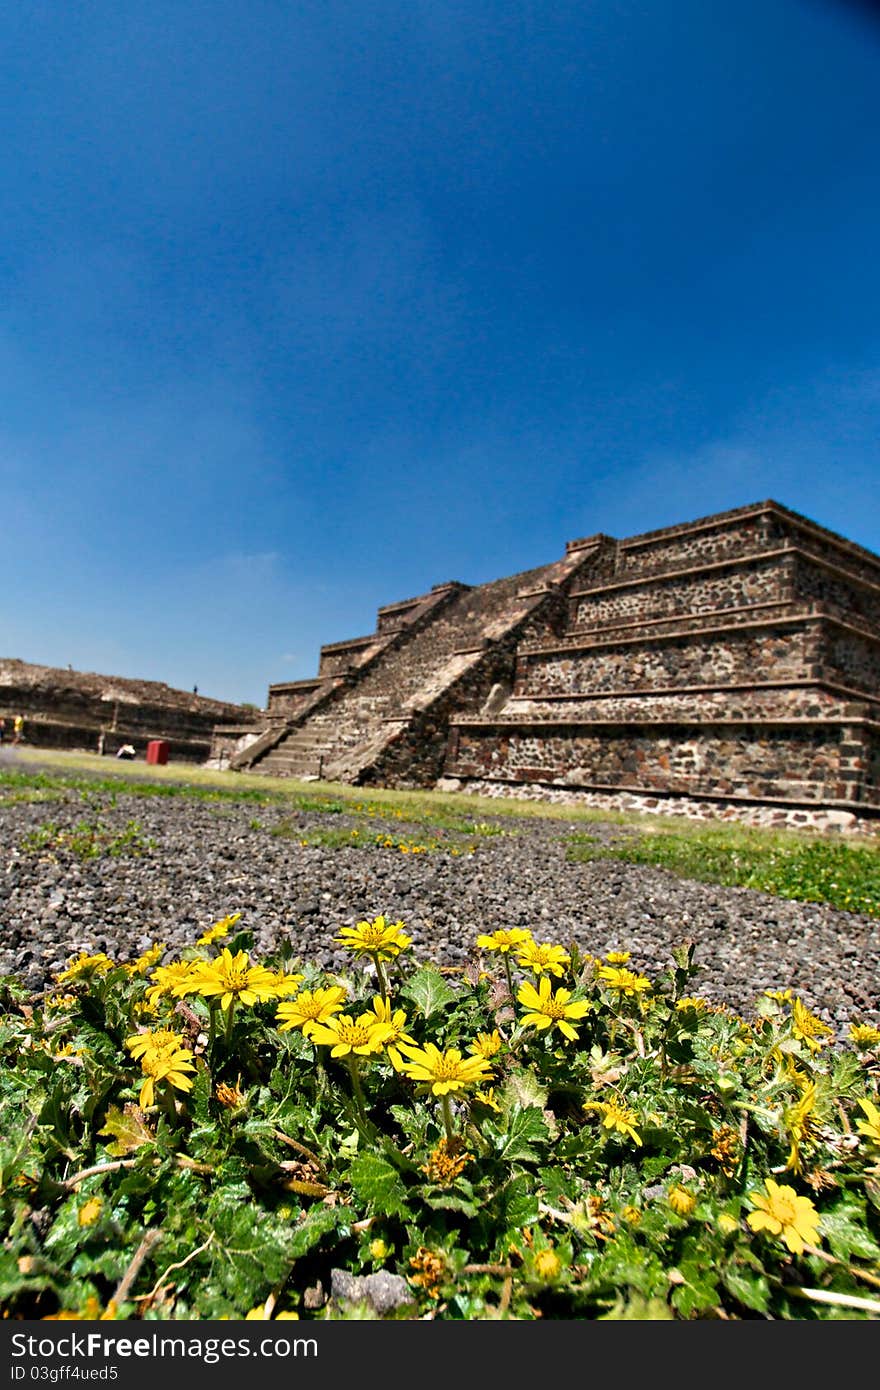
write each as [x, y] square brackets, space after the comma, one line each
[447, 1117]
[229, 1016]
[509, 974]
[380, 973]
[356, 1087]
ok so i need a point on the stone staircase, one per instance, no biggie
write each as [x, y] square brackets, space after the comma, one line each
[461, 651]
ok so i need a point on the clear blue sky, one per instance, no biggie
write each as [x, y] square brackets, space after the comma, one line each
[306, 307]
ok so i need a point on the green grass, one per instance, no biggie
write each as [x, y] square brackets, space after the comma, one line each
[789, 865]
[799, 865]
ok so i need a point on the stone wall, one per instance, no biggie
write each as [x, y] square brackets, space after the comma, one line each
[734, 656]
[73, 709]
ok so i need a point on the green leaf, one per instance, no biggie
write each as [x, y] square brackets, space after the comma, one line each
[378, 1184]
[751, 1290]
[847, 1234]
[319, 1221]
[517, 1203]
[697, 1293]
[448, 1201]
[526, 1128]
[428, 991]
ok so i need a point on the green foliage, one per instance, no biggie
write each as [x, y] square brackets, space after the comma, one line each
[615, 1175]
[807, 870]
[88, 839]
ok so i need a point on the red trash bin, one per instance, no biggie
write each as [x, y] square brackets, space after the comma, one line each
[157, 750]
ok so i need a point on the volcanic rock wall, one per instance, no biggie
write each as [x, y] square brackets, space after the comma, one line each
[735, 657]
[73, 709]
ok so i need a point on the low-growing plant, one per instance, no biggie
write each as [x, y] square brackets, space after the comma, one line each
[88, 839]
[539, 1134]
[806, 870]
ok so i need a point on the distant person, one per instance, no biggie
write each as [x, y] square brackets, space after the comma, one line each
[2, 729]
[18, 728]
[126, 751]
[101, 743]
[195, 690]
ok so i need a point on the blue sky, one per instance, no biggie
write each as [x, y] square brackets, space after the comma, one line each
[306, 307]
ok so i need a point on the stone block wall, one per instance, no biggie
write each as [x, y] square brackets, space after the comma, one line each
[734, 656]
[73, 709]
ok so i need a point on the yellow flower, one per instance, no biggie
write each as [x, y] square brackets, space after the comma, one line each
[486, 1044]
[380, 939]
[172, 979]
[145, 961]
[618, 957]
[309, 1007]
[691, 1001]
[781, 1212]
[259, 1314]
[285, 982]
[870, 1127]
[624, 981]
[379, 1250]
[798, 1125]
[90, 1211]
[549, 1009]
[165, 1064]
[512, 939]
[219, 930]
[864, 1035]
[547, 1265]
[807, 1028]
[681, 1201]
[727, 1224]
[344, 1034]
[540, 956]
[487, 1098]
[615, 1116]
[395, 1021]
[153, 1040]
[444, 1071]
[234, 979]
[60, 1001]
[84, 965]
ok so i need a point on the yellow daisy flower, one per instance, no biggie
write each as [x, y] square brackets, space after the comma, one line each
[381, 939]
[780, 1211]
[444, 1072]
[615, 1116]
[870, 1127]
[486, 1044]
[234, 979]
[344, 1034]
[310, 1006]
[505, 941]
[807, 1028]
[540, 956]
[84, 965]
[624, 981]
[549, 1009]
[219, 930]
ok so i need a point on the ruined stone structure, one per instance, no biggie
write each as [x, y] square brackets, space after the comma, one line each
[736, 657]
[72, 709]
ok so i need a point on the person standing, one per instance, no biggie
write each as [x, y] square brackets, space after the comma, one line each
[18, 728]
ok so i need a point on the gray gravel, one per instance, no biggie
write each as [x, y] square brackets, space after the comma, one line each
[211, 859]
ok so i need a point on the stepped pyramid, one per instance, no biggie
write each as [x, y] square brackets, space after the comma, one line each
[735, 657]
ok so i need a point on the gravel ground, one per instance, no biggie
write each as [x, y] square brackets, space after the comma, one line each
[211, 859]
